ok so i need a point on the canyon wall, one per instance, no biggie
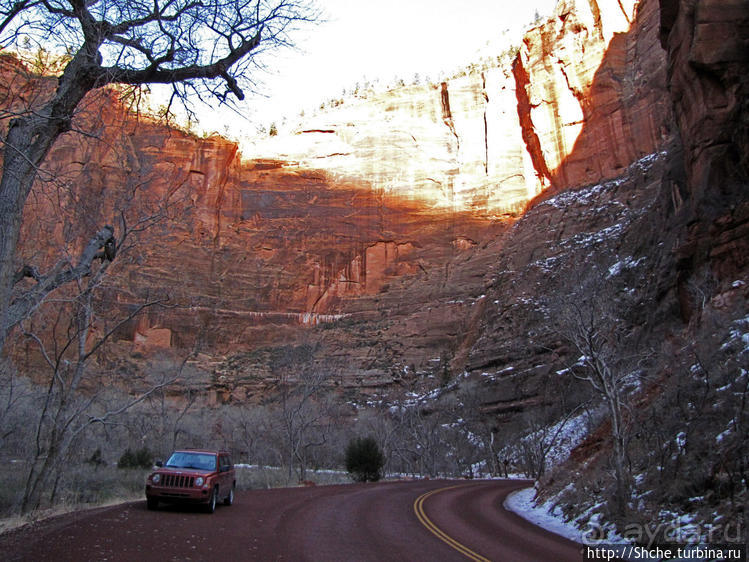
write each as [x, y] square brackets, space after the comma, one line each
[374, 231]
[708, 52]
[590, 91]
[668, 234]
[452, 145]
[249, 253]
[707, 42]
[575, 103]
[421, 245]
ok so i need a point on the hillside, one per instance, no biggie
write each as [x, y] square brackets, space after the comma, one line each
[342, 220]
[425, 246]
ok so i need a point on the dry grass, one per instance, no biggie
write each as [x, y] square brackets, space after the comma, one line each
[85, 487]
[258, 477]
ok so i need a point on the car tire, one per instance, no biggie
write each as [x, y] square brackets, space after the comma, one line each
[211, 507]
[152, 503]
[229, 499]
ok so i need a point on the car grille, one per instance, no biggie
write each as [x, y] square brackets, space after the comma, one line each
[177, 481]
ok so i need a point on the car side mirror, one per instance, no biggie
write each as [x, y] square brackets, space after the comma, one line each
[159, 464]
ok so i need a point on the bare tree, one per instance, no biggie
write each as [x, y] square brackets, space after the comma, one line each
[201, 48]
[692, 439]
[65, 411]
[70, 332]
[484, 428]
[420, 447]
[251, 432]
[171, 415]
[539, 442]
[304, 418]
[592, 320]
[17, 398]
[380, 422]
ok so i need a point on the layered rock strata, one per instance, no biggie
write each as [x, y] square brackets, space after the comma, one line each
[590, 91]
[372, 241]
[575, 103]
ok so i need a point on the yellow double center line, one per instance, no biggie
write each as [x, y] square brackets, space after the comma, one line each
[439, 533]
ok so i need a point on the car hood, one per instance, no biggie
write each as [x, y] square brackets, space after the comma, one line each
[175, 470]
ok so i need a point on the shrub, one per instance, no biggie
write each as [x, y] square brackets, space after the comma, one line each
[142, 458]
[96, 459]
[364, 459]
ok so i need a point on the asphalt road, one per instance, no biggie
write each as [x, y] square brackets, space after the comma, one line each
[432, 520]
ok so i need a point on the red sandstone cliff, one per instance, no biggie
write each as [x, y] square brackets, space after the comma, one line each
[672, 228]
[591, 85]
[582, 99]
[708, 50]
[382, 221]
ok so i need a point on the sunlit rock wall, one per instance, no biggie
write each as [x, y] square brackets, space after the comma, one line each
[580, 99]
[376, 217]
[591, 84]
[451, 145]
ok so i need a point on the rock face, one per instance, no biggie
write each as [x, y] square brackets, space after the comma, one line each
[590, 91]
[372, 241]
[614, 227]
[670, 229]
[579, 100]
[250, 253]
[708, 51]
[451, 145]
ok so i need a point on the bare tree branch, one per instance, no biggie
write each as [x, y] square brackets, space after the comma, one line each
[59, 276]
[199, 46]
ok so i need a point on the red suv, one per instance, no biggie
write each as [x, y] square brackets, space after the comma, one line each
[193, 476]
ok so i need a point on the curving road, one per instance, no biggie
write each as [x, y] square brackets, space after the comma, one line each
[436, 520]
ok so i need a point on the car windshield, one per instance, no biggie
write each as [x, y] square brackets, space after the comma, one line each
[199, 461]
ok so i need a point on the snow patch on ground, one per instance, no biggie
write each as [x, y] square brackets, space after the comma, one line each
[627, 263]
[571, 434]
[543, 515]
[549, 516]
[589, 194]
[739, 332]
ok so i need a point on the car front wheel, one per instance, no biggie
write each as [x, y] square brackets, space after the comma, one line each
[211, 507]
[152, 503]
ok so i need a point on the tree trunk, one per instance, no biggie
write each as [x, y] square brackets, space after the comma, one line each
[15, 184]
[27, 144]
[620, 472]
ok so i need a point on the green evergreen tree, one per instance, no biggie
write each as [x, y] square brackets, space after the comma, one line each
[142, 458]
[127, 459]
[364, 459]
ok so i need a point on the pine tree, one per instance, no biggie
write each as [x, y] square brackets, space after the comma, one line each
[364, 459]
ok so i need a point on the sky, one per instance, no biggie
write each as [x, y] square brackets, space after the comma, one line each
[368, 39]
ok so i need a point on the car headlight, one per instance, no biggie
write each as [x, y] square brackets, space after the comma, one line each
[156, 478]
[199, 481]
